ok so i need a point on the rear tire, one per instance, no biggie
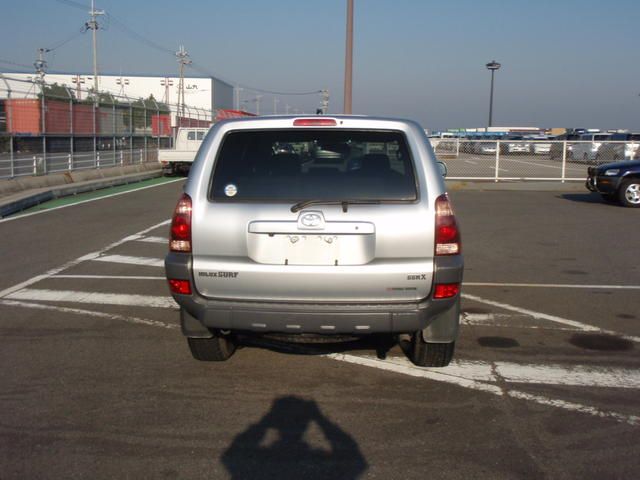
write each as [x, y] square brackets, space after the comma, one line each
[215, 349]
[629, 194]
[427, 354]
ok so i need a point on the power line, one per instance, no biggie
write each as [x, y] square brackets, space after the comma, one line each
[9, 62]
[129, 31]
[61, 43]
[195, 66]
[71, 3]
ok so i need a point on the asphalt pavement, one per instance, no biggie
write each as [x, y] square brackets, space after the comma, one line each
[98, 381]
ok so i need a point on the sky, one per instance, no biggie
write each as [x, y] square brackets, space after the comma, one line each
[565, 63]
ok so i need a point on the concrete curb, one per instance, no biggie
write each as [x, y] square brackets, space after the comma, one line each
[520, 186]
[22, 193]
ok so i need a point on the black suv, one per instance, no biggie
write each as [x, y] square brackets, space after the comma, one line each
[616, 182]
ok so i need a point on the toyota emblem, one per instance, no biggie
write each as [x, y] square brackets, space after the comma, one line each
[311, 220]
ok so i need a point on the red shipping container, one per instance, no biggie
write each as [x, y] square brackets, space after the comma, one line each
[23, 116]
[83, 119]
[161, 125]
[104, 120]
[57, 117]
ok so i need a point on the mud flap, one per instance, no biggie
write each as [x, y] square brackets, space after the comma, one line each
[444, 328]
[192, 327]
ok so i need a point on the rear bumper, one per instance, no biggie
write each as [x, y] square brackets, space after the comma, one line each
[439, 318]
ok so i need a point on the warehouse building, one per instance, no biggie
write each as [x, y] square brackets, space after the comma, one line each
[204, 94]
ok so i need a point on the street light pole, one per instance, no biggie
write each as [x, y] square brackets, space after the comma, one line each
[348, 62]
[493, 66]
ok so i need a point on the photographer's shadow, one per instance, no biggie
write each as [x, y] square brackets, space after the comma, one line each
[275, 447]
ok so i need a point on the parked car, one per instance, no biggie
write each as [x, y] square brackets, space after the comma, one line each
[485, 147]
[587, 147]
[468, 144]
[515, 144]
[540, 144]
[557, 146]
[622, 146]
[263, 244]
[616, 182]
[445, 143]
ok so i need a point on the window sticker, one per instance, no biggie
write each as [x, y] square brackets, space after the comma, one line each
[230, 190]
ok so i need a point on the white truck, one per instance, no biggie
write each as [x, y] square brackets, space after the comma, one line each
[178, 160]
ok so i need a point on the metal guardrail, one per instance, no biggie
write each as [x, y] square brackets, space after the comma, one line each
[537, 160]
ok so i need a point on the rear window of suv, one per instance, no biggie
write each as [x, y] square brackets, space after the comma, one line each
[295, 165]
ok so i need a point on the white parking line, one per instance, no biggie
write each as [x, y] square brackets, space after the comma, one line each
[495, 378]
[503, 159]
[91, 313]
[506, 320]
[557, 167]
[142, 261]
[552, 285]
[575, 376]
[110, 277]
[162, 240]
[74, 296]
[480, 376]
[552, 318]
[452, 374]
[73, 263]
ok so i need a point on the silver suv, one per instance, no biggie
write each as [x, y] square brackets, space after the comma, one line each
[347, 232]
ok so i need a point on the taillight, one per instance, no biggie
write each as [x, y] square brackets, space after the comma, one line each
[446, 290]
[314, 122]
[182, 287]
[180, 240]
[447, 238]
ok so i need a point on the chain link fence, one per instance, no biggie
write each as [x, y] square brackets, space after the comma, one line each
[47, 128]
[543, 160]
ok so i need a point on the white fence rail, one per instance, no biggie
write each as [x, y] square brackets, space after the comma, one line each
[541, 160]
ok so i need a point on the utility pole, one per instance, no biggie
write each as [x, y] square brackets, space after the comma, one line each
[93, 25]
[183, 59]
[324, 106]
[78, 80]
[122, 82]
[348, 62]
[166, 82]
[41, 66]
[258, 97]
[275, 106]
[238, 90]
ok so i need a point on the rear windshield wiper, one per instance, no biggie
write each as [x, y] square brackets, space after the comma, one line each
[345, 203]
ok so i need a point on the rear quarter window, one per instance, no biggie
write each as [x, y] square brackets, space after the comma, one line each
[295, 165]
